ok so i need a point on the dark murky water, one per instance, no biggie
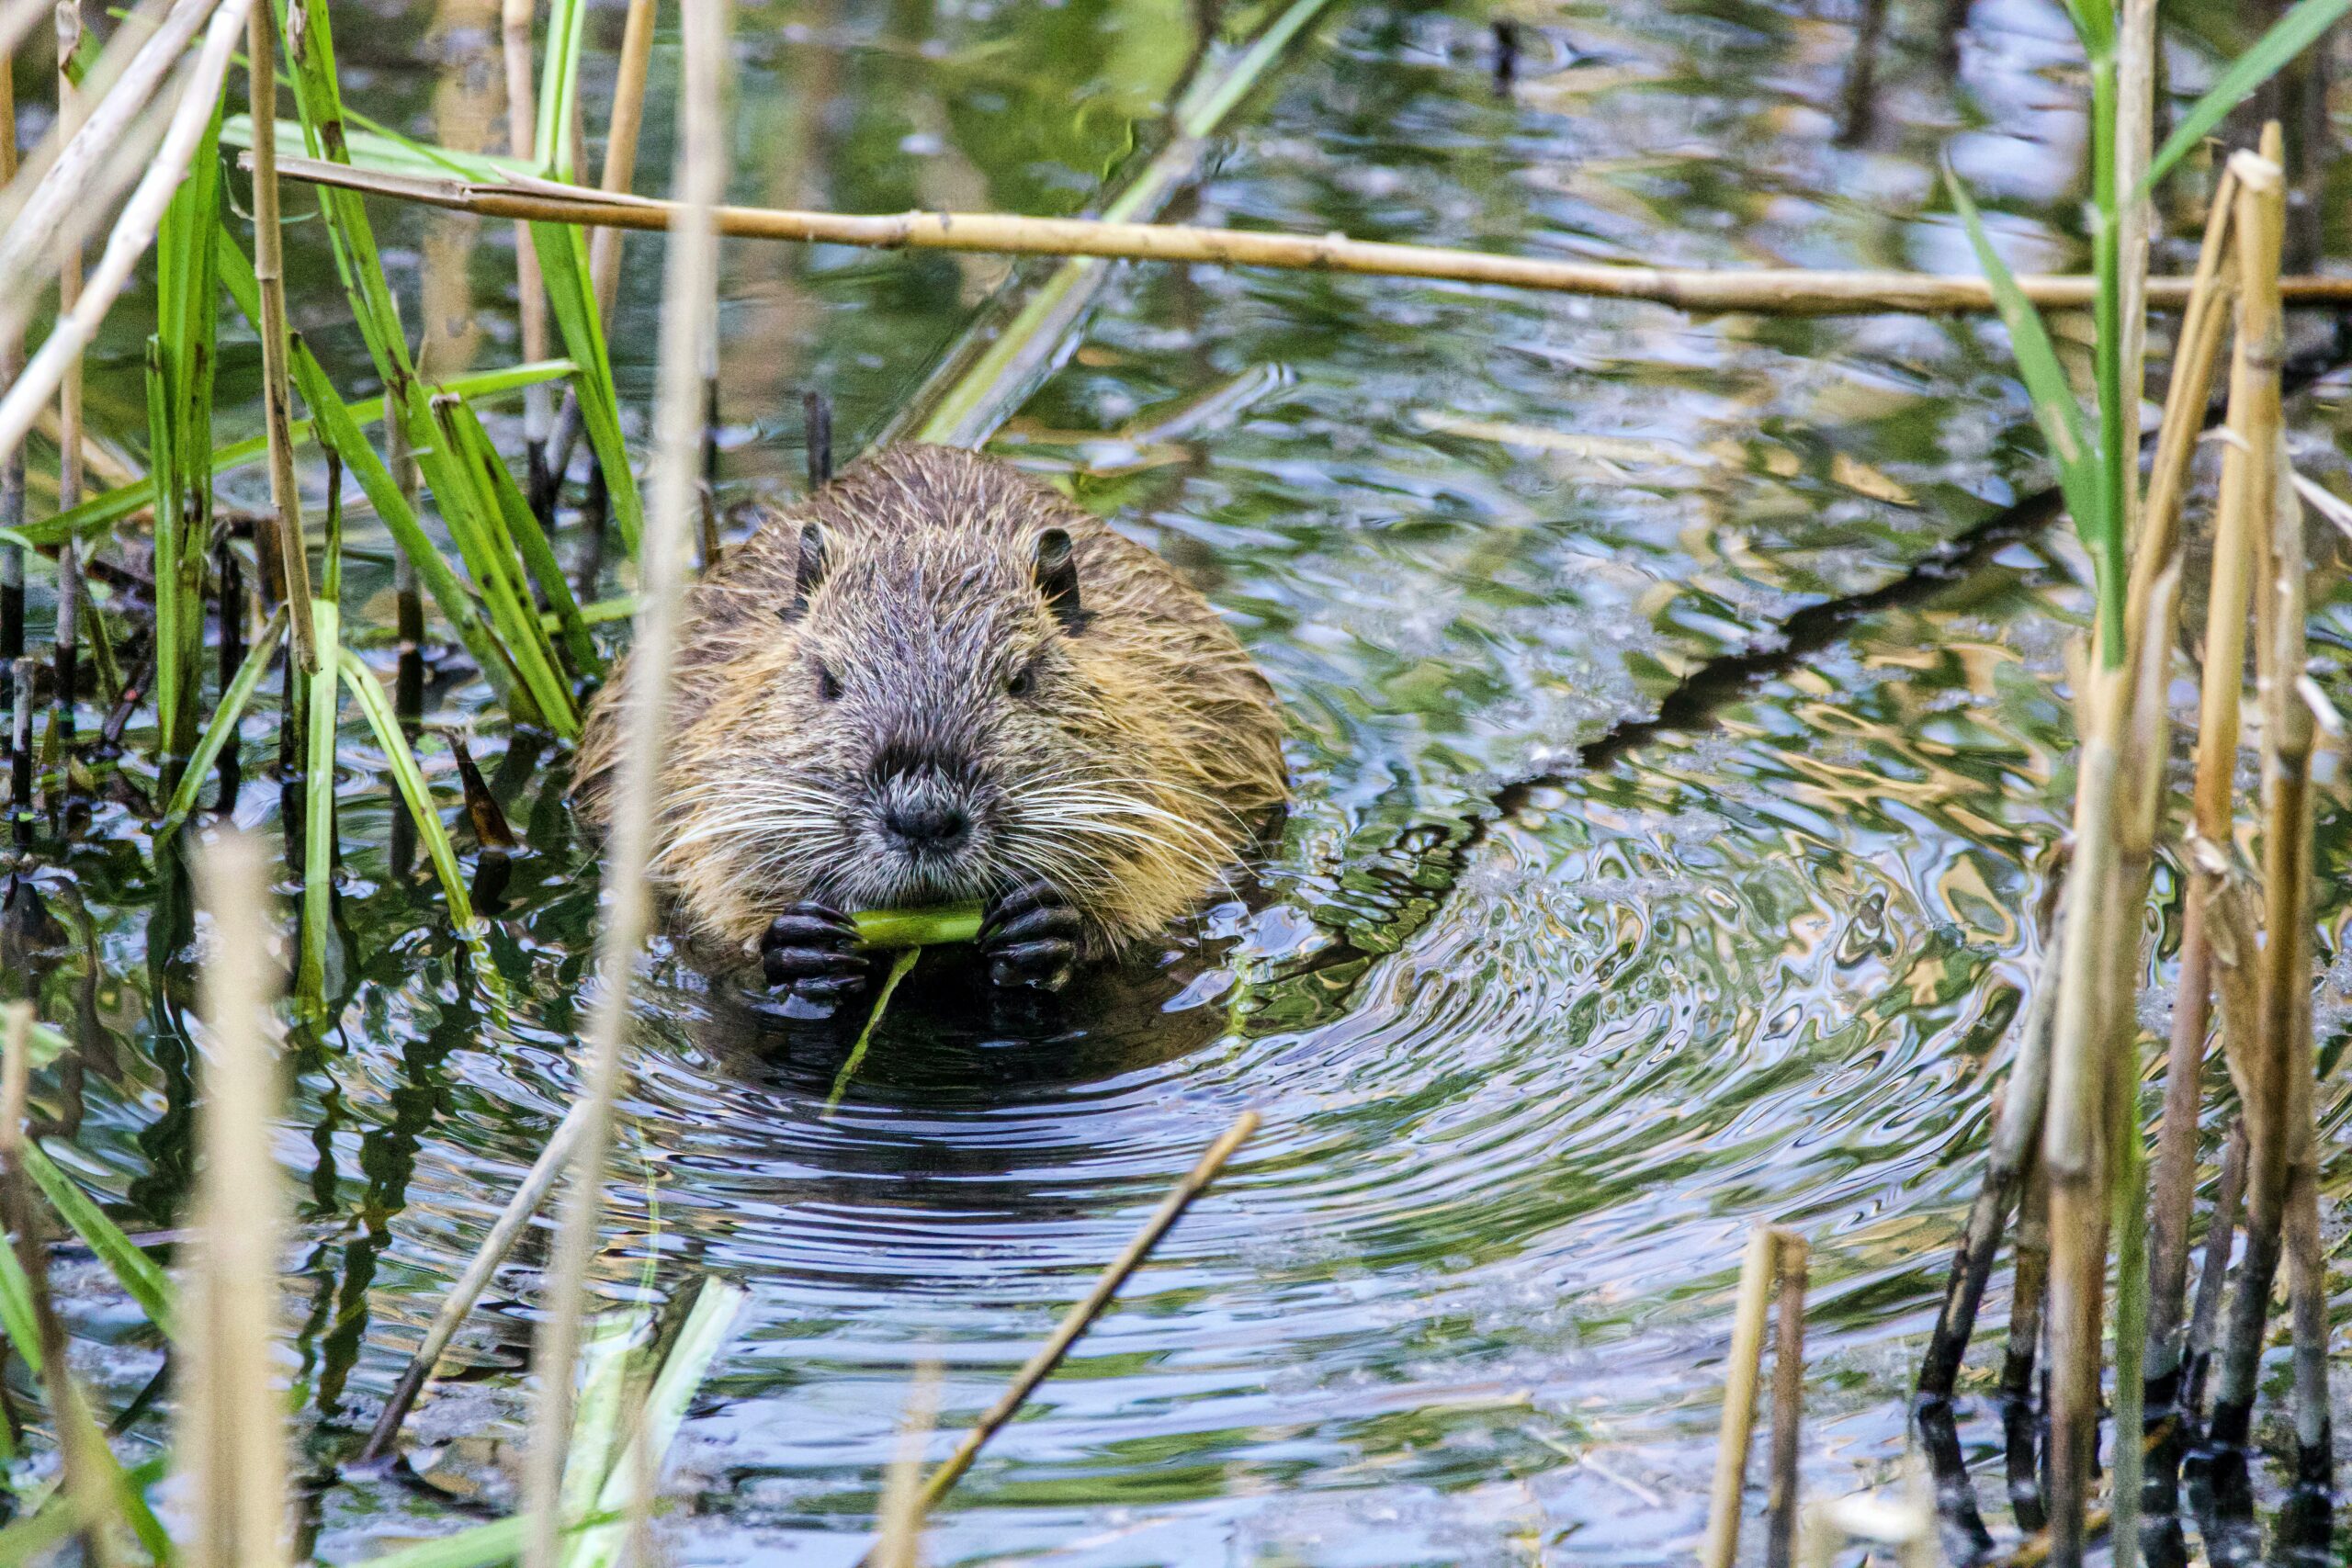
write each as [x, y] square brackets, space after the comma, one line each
[1528, 1078]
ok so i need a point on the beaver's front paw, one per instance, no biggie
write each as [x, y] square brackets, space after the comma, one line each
[811, 950]
[1029, 935]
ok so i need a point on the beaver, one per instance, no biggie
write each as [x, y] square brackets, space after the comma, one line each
[934, 681]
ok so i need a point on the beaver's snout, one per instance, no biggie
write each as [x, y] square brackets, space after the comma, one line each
[926, 807]
[927, 825]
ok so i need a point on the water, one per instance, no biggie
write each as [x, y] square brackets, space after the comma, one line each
[1528, 1076]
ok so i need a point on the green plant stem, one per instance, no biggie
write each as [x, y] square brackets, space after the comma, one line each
[222, 725]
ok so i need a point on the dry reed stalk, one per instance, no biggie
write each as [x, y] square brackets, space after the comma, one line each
[531, 300]
[2029, 1289]
[897, 1541]
[17, 20]
[2074, 1147]
[12, 365]
[2094, 1075]
[2196, 352]
[2016, 1133]
[231, 1428]
[2284, 964]
[1764, 292]
[133, 231]
[1080, 1315]
[269, 278]
[2218, 696]
[1742, 1371]
[460, 1300]
[69, 388]
[1788, 1401]
[689, 330]
[80, 1446]
[619, 173]
[2147, 750]
[70, 174]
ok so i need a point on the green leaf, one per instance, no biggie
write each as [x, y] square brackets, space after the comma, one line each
[409, 779]
[524, 536]
[2289, 37]
[222, 725]
[2055, 406]
[138, 1274]
[562, 249]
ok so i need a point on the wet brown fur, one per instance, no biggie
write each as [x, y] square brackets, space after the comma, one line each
[1132, 776]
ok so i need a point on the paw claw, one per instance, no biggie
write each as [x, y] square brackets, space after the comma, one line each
[810, 951]
[1030, 936]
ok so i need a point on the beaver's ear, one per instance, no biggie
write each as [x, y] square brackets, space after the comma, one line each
[1057, 579]
[807, 572]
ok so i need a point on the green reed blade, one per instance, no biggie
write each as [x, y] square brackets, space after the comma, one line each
[318, 800]
[2055, 406]
[708, 1323]
[96, 514]
[977, 388]
[340, 433]
[599, 1410]
[898, 967]
[562, 249]
[409, 779]
[529, 541]
[16, 1313]
[560, 88]
[490, 557]
[465, 510]
[145, 1282]
[162, 492]
[187, 323]
[221, 725]
[2287, 36]
[383, 148]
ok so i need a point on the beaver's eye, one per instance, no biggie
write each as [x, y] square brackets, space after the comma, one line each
[1024, 682]
[829, 686]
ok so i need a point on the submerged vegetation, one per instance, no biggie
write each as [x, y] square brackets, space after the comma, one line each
[500, 550]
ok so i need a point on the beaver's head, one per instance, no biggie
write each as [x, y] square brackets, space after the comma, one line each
[930, 730]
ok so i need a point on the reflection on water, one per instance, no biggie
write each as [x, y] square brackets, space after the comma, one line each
[1532, 1060]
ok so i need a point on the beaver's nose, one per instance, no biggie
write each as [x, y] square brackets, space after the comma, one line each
[927, 825]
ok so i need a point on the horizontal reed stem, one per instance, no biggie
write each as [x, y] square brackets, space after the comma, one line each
[1777, 290]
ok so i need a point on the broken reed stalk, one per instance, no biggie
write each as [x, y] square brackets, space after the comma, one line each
[80, 1446]
[689, 332]
[134, 230]
[269, 278]
[1081, 1314]
[231, 1426]
[1763, 290]
[1788, 1402]
[459, 1301]
[69, 390]
[531, 300]
[1742, 1369]
[2016, 1132]
[2219, 695]
[2282, 976]
[72, 176]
